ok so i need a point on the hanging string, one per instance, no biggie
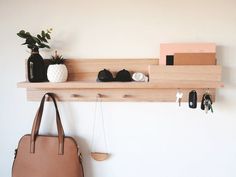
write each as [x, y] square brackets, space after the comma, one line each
[98, 99]
[103, 126]
[94, 122]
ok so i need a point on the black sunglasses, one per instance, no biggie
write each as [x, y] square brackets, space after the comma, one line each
[121, 76]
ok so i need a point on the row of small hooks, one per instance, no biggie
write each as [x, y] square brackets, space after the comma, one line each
[99, 95]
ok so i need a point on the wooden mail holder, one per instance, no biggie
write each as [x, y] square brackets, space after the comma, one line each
[164, 81]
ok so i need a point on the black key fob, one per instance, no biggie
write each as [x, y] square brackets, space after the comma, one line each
[192, 99]
[202, 102]
[206, 96]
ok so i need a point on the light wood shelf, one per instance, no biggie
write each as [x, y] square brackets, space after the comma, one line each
[162, 85]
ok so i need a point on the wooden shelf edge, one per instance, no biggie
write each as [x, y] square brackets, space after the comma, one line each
[122, 85]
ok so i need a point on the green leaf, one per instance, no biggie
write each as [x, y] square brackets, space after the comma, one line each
[43, 34]
[39, 37]
[47, 46]
[22, 31]
[39, 42]
[21, 35]
[27, 33]
[36, 39]
[48, 36]
[44, 40]
[30, 41]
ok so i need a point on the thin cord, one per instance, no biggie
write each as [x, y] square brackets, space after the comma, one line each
[94, 122]
[103, 126]
[98, 99]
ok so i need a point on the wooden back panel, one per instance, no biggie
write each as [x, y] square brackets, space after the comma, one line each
[209, 73]
[87, 69]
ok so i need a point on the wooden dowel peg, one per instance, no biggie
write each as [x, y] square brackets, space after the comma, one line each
[49, 98]
[75, 95]
[99, 95]
[126, 96]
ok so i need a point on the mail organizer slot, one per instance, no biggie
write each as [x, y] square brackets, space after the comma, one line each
[206, 73]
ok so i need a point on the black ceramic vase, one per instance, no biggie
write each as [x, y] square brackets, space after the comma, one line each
[36, 67]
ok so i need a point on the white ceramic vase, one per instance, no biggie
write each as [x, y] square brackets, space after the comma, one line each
[57, 73]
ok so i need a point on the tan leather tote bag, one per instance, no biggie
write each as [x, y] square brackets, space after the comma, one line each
[47, 156]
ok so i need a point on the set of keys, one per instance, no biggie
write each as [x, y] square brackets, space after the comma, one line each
[206, 104]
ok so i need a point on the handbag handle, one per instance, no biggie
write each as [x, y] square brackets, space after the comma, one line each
[37, 122]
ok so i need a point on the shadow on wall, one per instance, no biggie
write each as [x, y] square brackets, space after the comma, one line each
[63, 42]
[228, 70]
[83, 144]
[224, 98]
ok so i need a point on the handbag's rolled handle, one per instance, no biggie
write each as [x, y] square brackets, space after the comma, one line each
[37, 122]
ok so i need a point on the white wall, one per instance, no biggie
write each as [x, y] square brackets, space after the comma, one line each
[146, 139]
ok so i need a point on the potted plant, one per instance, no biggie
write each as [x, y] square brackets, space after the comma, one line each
[57, 70]
[36, 71]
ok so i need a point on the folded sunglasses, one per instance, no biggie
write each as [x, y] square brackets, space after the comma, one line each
[106, 76]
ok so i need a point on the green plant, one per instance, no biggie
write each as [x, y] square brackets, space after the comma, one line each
[38, 41]
[56, 59]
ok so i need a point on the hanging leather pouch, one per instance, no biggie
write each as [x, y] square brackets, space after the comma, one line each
[47, 156]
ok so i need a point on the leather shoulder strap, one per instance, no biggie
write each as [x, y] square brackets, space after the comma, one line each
[37, 122]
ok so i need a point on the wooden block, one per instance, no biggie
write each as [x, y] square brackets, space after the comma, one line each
[208, 73]
[120, 95]
[194, 59]
[99, 156]
[172, 48]
[163, 84]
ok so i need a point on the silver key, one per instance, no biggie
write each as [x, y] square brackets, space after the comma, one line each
[207, 104]
[179, 96]
[206, 109]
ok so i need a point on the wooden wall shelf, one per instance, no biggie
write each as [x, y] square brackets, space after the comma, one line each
[82, 85]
